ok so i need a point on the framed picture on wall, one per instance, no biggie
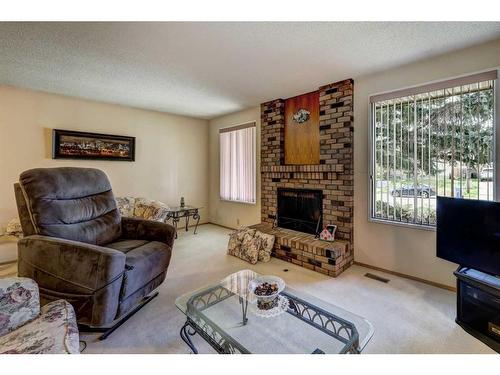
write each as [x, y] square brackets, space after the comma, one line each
[67, 144]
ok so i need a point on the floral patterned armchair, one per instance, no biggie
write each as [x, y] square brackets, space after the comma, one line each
[25, 328]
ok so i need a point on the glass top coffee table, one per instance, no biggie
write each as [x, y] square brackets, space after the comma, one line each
[225, 315]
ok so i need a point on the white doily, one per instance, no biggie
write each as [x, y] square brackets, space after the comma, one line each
[280, 308]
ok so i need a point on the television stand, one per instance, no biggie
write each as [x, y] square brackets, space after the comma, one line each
[478, 305]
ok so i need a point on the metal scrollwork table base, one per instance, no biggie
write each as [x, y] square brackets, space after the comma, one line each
[177, 213]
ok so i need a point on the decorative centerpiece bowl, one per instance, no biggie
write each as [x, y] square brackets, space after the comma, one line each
[266, 290]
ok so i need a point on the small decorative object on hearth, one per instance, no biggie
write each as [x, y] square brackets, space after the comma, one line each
[182, 202]
[301, 116]
[266, 290]
[328, 233]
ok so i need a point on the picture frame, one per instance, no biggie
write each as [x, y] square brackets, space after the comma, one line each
[68, 144]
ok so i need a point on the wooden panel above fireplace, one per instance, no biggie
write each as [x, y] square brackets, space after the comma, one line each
[302, 138]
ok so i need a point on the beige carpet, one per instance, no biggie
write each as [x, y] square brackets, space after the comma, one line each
[408, 317]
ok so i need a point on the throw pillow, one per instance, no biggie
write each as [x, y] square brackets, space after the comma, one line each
[143, 208]
[267, 243]
[249, 250]
[125, 205]
[243, 244]
[233, 247]
[150, 210]
[14, 228]
[160, 211]
[242, 232]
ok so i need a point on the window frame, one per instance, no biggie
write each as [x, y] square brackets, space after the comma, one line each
[239, 126]
[372, 149]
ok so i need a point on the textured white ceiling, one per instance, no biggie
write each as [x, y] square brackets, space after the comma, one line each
[209, 69]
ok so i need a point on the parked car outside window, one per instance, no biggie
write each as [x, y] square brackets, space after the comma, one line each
[486, 174]
[422, 190]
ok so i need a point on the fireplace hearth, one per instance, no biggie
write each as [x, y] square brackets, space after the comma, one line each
[300, 210]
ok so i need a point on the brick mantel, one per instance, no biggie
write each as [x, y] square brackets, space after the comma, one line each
[334, 175]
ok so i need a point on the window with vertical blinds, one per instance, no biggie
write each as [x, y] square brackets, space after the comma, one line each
[432, 140]
[238, 163]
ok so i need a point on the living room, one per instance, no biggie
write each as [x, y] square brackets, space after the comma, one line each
[178, 187]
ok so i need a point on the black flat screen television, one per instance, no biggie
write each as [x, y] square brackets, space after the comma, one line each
[468, 233]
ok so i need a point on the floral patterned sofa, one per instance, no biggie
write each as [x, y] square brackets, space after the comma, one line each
[25, 328]
[142, 208]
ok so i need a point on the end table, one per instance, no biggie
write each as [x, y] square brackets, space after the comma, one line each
[176, 213]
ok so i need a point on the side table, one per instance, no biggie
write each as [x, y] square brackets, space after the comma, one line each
[177, 213]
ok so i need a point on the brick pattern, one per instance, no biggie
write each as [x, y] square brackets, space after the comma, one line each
[336, 148]
[273, 133]
[334, 175]
[302, 249]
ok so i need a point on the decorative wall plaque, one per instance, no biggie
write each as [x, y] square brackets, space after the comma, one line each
[301, 116]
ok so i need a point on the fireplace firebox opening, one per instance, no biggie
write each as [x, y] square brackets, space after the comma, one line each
[300, 210]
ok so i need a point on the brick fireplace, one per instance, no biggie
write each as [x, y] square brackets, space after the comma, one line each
[333, 176]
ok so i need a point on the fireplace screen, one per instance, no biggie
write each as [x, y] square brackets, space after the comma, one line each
[300, 209]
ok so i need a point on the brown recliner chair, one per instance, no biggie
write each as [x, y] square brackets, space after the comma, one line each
[77, 247]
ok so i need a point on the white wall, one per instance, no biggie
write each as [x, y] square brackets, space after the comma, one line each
[171, 151]
[406, 250]
[231, 214]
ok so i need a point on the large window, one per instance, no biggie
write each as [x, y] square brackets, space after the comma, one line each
[237, 163]
[437, 139]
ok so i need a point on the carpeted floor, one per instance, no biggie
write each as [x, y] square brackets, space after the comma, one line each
[408, 317]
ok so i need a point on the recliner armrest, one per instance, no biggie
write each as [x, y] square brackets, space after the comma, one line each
[69, 266]
[134, 228]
